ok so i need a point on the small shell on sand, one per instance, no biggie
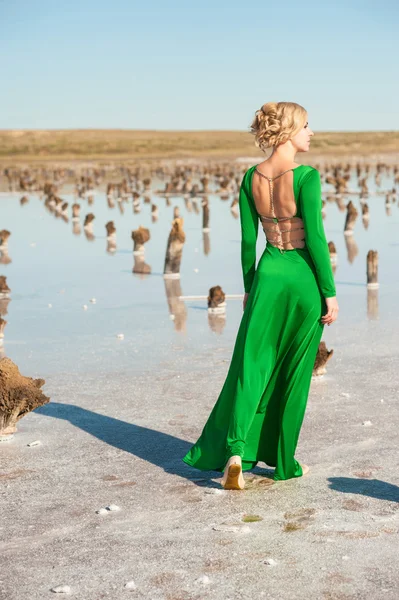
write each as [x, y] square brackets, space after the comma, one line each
[121, 336]
[130, 585]
[93, 300]
[367, 423]
[102, 511]
[84, 306]
[61, 589]
[35, 443]
[269, 561]
[112, 507]
[204, 580]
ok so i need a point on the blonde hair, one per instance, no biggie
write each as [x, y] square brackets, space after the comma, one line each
[277, 122]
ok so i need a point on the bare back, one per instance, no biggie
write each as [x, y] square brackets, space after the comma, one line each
[275, 204]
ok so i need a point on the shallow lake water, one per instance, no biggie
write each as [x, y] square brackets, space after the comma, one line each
[50, 264]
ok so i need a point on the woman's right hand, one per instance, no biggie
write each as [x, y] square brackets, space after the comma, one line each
[332, 311]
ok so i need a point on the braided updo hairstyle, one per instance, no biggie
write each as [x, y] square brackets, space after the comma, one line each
[277, 122]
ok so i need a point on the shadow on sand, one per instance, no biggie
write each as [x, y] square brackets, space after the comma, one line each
[161, 449]
[375, 488]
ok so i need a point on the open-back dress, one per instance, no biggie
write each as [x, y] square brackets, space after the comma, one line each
[260, 409]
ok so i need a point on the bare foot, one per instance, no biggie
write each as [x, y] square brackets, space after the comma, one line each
[305, 469]
[233, 478]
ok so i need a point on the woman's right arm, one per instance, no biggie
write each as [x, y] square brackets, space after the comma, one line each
[315, 237]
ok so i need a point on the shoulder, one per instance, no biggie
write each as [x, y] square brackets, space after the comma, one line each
[246, 178]
[308, 174]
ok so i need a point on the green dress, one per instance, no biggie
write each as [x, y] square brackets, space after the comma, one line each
[259, 412]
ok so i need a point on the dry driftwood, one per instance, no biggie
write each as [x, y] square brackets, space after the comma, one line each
[19, 395]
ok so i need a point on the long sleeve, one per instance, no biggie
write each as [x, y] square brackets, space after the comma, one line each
[249, 233]
[311, 205]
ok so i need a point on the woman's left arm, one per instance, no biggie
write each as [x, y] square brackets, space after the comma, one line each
[249, 233]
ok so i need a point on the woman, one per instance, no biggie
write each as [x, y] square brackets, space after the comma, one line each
[288, 299]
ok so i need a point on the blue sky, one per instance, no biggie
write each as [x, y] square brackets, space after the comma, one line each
[197, 65]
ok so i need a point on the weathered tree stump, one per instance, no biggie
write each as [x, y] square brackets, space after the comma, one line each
[174, 250]
[322, 357]
[4, 235]
[140, 267]
[333, 253]
[216, 300]
[75, 211]
[365, 211]
[3, 324]
[140, 236]
[88, 222]
[154, 212]
[19, 395]
[24, 200]
[4, 289]
[372, 269]
[351, 217]
[147, 184]
[111, 231]
[205, 185]
[136, 202]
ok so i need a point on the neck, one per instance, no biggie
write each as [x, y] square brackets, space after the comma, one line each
[283, 153]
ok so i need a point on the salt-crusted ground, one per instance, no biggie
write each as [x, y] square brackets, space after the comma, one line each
[111, 438]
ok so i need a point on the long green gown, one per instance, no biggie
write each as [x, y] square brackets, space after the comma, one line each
[259, 412]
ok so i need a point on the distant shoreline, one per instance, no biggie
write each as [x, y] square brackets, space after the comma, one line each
[44, 146]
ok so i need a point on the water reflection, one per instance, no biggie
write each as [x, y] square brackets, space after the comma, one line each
[207, 200]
